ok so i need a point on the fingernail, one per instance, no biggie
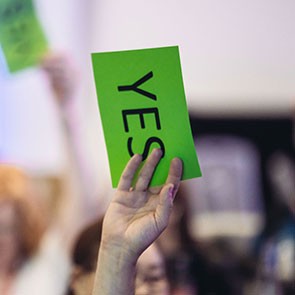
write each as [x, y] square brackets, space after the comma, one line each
[171, 193]
[138, 157]
[158, 151]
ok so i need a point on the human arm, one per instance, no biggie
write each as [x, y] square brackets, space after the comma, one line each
[135, 218]
[66, 84]
[62, 76]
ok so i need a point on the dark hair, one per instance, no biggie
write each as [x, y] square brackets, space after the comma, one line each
[86, 248]
[85, 251]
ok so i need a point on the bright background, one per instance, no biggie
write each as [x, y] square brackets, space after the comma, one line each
[237, 58]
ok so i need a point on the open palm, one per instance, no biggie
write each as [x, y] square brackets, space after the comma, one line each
[137, 215]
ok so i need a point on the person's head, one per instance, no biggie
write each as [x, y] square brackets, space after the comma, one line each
[150, 274]
[21, 222]
[281, 173]
[84, 259]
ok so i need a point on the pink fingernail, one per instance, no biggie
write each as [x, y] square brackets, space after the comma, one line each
[157, 151]
[171, 193]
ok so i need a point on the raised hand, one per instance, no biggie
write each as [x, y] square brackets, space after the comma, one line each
[138, 214]
[135, 218]
[62, 75]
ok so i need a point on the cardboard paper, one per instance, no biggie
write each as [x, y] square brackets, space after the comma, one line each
[142, 105]
[22, 39]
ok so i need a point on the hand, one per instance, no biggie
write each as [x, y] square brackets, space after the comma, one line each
[137, 215]
[62, 75]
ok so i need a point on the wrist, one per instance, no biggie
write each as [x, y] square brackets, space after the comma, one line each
[117, 250]
[115, 274]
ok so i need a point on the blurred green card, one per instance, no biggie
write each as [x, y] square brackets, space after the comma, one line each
[21, 36]
[142, 105]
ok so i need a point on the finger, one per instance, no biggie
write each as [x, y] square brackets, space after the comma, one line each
[147, 171]
[175, 174]
[129, 172]
[164, 208]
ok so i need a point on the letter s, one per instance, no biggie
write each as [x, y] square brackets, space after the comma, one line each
[148, 143]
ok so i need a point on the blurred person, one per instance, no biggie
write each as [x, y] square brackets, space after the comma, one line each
[189, 269]
[150, 270]
[226, 207]
[32, 260]
[55, 180]
[84, 259]
[63, 78]
[179, 252]
[276, 244]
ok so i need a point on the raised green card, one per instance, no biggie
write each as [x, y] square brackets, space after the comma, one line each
[22, 39]
[142, 105]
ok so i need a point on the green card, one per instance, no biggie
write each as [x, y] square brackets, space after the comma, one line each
[21, 36]
[142, 105]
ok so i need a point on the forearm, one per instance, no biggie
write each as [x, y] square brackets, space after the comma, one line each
[115, 274]
[76, 141]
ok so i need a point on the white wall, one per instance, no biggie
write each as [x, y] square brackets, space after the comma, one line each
[31, 132]
[237, 56]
